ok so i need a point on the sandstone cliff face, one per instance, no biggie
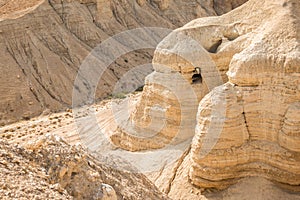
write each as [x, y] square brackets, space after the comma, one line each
[172, 93]
[260, 129]
[248, 126]
[42, 44]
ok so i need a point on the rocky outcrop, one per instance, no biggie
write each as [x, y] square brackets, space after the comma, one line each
[47, 167]
[170, 179]
[166, 111]
[259, 129]
[43, 43]
[248, 126]
[187, 63]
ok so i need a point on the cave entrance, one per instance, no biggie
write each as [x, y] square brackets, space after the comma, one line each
[197, 77]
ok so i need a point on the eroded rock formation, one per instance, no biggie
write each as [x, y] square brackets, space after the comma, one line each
[43, 43]
[260, 132]
[248, 126]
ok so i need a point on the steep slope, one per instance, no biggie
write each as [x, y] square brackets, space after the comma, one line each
[43, 43]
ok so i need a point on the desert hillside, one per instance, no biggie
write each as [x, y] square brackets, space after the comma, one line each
[208, 109]
[43, 44]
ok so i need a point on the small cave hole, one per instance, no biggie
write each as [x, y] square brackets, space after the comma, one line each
[214, 47]
[126, 60]
[197, 77]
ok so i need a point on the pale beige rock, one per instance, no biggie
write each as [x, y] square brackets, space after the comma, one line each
[108, 193]
[173, 88]
[260, 128]
[246, 127]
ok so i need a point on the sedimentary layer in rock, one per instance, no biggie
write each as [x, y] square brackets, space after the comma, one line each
[187, 66]
[258, 134]
[246, 127]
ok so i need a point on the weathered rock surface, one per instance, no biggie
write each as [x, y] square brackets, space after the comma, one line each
[43, 43]
[187, 63]
[20, 179]
[47, 167]
[259, 129]
[172, 180]
[246, 127]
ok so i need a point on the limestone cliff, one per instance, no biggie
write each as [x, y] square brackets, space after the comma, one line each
[260, 124]
[248, 126]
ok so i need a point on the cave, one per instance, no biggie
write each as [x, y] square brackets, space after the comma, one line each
[197, 77]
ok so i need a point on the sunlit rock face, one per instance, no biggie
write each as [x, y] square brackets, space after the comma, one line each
[187, 65]
[258, 134]
[248, 126]
[166, 111]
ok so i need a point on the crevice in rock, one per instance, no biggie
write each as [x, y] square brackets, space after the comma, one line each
[160, 172]
[35, 95]
[52, 6]
[246, 124]
[175, 170]
[61, 15]
[91, 14]
[197, 77]
[62, 11]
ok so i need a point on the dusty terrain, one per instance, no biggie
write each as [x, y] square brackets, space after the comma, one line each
[43, 43]
[34, 145]
[49, 168]
[218, 116]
